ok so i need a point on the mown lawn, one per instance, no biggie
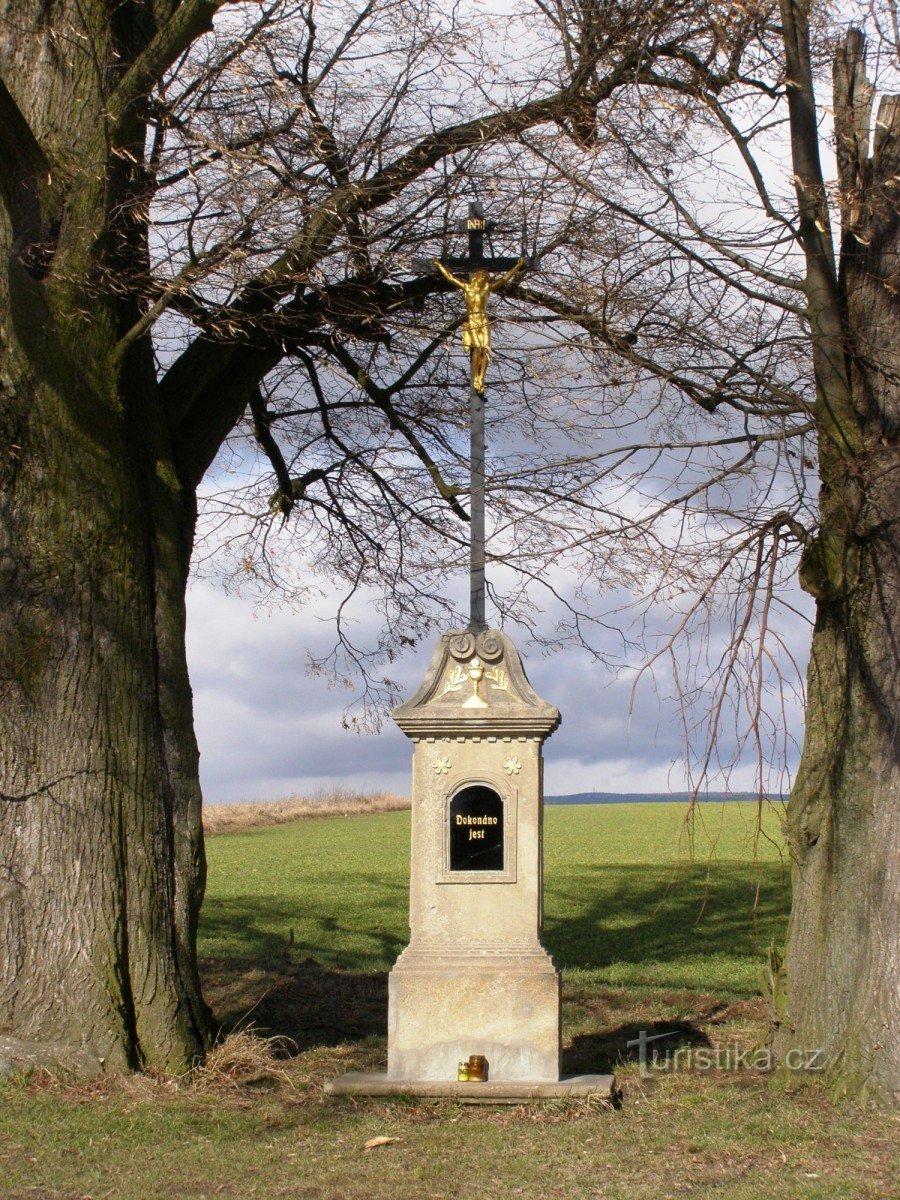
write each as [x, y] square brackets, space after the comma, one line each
[654, 929]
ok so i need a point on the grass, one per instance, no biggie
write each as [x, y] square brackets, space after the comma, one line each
[302, 923]
[626, 904]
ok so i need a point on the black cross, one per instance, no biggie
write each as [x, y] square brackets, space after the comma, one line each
[476, 225]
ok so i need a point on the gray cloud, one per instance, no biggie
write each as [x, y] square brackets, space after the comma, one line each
[267, 728]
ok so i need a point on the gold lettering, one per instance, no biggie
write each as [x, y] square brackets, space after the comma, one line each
[465, 819]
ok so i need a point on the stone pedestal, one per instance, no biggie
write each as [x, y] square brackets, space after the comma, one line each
[475, 979]
[443, 1007]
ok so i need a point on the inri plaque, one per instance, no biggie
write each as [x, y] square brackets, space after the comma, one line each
[476, 830]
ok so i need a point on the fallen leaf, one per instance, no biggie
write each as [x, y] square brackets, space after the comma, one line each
[374, 1143]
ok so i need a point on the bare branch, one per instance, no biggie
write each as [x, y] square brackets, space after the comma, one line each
[190, 20]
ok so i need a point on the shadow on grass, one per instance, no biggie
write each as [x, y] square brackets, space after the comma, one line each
[301, 1000]
[603, 1051]
[317, 1007]
[331, 986]
[633, 914]
[594, 917]
[360, 926]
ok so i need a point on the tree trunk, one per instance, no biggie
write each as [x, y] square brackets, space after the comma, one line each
[843, 961]
[101, 854]
[842, 965]
[101, 867]
[102, 862]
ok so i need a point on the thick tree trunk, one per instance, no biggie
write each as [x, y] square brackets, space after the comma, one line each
[101, 859]
[101, 862]
[101, 868]
[842, 969]
[843, 958]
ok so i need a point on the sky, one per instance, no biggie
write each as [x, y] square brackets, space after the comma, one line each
[268, 729]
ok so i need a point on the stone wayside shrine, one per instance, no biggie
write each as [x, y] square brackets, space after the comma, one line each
[475, 978]
[475, 983]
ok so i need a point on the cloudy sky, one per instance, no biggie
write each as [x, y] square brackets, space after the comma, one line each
[268, 729]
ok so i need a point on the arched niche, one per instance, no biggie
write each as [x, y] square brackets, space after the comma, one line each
[476, 829]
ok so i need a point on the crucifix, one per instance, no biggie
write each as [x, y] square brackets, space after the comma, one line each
[474, 998]
[476, 339]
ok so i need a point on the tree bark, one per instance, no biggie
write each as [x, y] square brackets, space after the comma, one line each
[842, 967]
[101, 867]
[101, 854]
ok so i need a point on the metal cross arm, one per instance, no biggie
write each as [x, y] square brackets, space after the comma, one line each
[476, 225]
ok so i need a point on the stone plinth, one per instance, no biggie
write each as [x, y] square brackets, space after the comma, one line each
[475, 978]
[444, 1007]
[598, 1088]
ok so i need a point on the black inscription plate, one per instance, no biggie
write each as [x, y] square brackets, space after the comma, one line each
[476, 830]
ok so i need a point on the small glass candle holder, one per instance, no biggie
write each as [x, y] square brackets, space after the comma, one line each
[463, 1074]
[478, 1067]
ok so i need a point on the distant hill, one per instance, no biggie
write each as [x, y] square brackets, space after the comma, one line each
[650, 797]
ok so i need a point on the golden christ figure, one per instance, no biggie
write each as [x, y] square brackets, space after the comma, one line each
[476, 332]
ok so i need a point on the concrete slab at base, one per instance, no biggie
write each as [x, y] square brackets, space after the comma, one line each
[594, 1087]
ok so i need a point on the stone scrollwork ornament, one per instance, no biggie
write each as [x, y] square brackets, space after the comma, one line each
[489, 647]
[478, 657]
[462, 646]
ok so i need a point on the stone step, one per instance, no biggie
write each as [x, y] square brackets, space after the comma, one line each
[594, 1087]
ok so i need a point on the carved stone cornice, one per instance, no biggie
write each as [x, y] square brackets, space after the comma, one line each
[476, 686]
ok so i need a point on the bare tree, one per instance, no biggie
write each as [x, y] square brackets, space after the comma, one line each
[210, 259]
[689, 349]
[689, 295]
[234, 177]
[711, 173]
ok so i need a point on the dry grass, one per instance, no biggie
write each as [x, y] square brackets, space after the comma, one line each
[260, 1125]
[233, 818]
[244, 1057]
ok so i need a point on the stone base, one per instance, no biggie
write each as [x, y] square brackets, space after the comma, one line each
[445, 1006]
[588, 1087]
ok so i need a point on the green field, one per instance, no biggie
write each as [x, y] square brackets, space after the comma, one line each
[655, 925]
[632, 900]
